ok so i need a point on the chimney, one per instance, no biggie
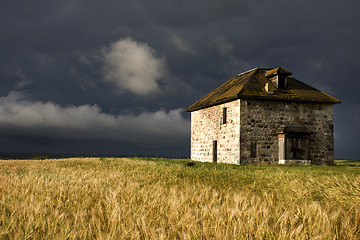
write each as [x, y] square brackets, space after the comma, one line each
[278, 76]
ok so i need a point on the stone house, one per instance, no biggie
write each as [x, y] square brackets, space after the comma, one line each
[263, 115]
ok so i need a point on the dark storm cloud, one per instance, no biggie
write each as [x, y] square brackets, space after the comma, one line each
[119, 62]
[46, 119]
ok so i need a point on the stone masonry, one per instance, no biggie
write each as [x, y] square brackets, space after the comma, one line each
[261, 119]
[263, 115]
[207, 127]
[257, 121]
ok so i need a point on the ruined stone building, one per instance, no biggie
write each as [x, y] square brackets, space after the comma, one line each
[263, 115]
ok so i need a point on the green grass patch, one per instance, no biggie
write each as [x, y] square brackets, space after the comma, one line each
[348, 162]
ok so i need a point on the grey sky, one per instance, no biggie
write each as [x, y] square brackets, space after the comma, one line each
[115, 76]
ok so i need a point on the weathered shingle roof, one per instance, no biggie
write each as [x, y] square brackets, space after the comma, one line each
[251, 84]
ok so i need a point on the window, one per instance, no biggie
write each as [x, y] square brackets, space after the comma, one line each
[253, 149]
[282, 82]
[224, 116]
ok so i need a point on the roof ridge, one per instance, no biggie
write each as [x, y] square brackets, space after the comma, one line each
[218, 101]
[229, 81]
[239, 74]
[247, 81]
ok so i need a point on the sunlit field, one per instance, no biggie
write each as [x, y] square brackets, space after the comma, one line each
[144, 198]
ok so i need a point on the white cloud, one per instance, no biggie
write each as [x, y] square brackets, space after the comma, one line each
[181, 45]
[19, 116]
[133, 66]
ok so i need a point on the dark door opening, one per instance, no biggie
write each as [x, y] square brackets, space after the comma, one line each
[253, 149]
[215, 151]
[297, 147]
[294, 143]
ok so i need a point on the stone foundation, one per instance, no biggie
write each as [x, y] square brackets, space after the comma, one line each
[305, 162]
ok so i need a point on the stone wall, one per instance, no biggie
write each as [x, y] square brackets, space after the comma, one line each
[206, 127]
[252, 125]
[260, 120]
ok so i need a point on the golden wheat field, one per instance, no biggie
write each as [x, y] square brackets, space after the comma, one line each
[123, 198]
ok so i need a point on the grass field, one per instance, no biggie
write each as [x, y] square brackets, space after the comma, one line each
[145, 198]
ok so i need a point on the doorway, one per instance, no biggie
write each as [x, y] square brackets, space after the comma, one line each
[294, 144]
[215, 151]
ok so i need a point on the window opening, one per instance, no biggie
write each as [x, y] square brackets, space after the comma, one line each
[224, 116]
[281, 82]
